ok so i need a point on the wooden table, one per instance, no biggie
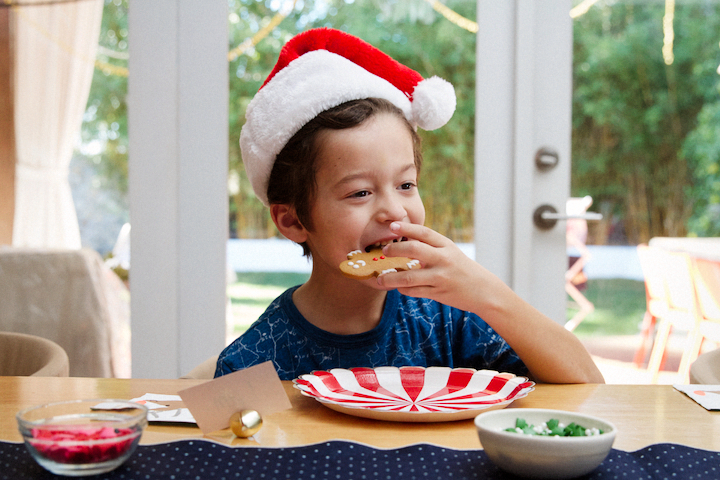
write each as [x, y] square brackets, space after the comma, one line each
[643, 414]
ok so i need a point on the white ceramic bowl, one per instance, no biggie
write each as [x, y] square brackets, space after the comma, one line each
[77, 439]
[535, 456]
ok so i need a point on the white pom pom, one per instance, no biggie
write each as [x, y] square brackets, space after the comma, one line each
[433, 103]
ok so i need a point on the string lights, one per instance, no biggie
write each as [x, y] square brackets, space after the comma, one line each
[449, 14]
[668, 32]
[262, 33]
[668, 29]
[453, 16]
[582, 8]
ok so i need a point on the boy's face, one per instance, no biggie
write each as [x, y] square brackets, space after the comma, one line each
[366, 179]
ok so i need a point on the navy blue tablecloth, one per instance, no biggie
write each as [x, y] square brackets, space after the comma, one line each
[341, 460]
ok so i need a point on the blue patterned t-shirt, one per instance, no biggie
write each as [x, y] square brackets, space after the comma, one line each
[412, 331]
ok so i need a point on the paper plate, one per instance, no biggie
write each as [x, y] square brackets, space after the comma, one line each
[413, 394]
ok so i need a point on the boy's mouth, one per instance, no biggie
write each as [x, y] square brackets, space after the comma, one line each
[383, 243]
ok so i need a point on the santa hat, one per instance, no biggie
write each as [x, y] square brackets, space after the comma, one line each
[323, 68]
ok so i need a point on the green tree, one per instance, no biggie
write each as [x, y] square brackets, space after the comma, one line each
[644, 133]
[702, 150]
[104, 129]
[632, 112]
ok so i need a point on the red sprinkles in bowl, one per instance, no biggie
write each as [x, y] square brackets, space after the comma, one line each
[60, 444]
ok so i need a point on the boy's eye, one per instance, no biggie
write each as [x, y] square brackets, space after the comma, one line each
[407, 186]
[360, 194]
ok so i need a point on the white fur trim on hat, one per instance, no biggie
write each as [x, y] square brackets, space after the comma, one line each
[320, 69]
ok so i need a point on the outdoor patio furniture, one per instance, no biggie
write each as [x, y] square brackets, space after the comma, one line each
[707, 288]
[656, 297]
[675, 270]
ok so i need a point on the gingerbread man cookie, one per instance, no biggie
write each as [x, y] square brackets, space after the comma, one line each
[363, 265]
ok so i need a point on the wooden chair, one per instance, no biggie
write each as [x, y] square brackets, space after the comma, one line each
[28, 355]
[676, 271]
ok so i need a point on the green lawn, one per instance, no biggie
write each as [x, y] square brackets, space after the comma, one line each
[253, 291]
[619, 304]
[619, 307]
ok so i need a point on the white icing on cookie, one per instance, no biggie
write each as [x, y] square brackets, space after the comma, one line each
[363, 265]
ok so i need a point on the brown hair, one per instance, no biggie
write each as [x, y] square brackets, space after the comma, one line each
[292, 180]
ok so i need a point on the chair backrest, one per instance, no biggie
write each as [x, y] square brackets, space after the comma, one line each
[679, 280]
[29, 355]
[668, 277]
[707, 285]
[651, 262]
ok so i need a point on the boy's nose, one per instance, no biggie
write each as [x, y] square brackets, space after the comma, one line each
[392, 210]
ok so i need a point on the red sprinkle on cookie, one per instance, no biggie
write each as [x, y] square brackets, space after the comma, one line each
[363, 265]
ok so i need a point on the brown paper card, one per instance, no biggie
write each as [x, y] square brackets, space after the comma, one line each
[256, 388]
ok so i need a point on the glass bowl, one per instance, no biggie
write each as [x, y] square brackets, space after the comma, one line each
[82, 437]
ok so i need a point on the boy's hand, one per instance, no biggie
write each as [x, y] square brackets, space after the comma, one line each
[448, 275]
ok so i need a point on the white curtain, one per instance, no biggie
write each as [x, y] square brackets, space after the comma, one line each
[54, 60]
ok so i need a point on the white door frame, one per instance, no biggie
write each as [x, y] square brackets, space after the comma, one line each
[523, 104]
[178, 164]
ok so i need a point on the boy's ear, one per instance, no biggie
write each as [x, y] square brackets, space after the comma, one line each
[287, 222]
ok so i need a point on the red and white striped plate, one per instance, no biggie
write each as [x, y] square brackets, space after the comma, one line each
[413, 394]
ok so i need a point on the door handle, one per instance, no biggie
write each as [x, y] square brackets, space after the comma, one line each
[546, 216]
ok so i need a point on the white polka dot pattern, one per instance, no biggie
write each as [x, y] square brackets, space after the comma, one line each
[339, 460]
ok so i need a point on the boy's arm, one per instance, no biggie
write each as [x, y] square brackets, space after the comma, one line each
[551, 353]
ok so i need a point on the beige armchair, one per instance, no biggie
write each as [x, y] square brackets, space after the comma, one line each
[29, 355]
[73, 299]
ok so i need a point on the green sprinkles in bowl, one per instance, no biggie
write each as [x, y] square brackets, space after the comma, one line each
[553, 428]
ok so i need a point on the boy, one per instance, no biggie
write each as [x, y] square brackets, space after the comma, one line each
[330, 145]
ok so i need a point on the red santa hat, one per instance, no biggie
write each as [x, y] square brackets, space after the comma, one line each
[323, 68]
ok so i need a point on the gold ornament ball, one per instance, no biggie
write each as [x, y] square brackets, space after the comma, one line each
[246, 423]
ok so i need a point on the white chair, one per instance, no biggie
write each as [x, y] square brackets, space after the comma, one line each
[656, 297]
[24, 355]
[576, 237]
[707, 289]
[675, 268]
